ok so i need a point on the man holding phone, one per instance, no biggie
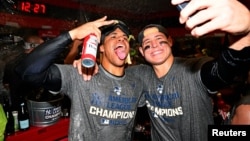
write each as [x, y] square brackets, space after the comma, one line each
[178, 89]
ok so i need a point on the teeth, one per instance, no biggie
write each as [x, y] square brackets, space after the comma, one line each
[119, 47]
[156, 52]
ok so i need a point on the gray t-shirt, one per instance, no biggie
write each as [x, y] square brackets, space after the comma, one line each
[179, 105]
[104, 108]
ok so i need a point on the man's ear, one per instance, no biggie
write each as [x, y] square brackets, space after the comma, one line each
[170, 41]
[141, 51]
[101, 48]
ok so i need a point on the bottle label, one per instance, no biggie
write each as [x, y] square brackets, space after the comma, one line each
[24, 124]
[91, 45]
[89, 51]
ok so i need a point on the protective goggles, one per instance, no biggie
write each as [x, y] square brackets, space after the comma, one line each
[28, 45]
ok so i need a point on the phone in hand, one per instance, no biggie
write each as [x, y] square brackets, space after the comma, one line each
[182, 5]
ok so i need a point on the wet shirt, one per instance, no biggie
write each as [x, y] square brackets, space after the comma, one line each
[178, 103]
[104, 108]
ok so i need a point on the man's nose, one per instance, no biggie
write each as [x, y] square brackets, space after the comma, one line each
[120, 38]
[154, 43]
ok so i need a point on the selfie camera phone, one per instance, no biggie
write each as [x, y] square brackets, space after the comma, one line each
[182, 5]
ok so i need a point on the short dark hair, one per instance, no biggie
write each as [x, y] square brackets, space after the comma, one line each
[244, 100]
[159, 27]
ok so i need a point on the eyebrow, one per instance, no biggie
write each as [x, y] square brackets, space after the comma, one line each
[156, 36]
[115, 33]
[160, 35]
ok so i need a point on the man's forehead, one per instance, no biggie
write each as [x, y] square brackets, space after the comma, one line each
[150, 31]
[117, 30]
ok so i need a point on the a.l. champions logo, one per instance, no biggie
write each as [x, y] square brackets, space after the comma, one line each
[160, 88]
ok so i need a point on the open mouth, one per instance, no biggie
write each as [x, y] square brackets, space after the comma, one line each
[120, 52]
[119, 46]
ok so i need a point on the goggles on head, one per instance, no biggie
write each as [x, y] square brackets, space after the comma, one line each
[106, 30]
[28, 45]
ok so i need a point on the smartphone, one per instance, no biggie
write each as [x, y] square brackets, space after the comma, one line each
[182, 5]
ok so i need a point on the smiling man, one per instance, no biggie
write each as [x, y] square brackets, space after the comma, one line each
[104, 108]
[177, 89]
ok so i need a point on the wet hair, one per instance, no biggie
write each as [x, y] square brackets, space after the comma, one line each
[244, 100]
[159, 27]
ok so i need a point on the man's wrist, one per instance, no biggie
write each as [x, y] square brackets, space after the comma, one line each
[238, 42]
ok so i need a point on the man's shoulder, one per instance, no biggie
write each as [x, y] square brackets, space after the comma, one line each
[138, 68]
[65, 68]
[192, 61]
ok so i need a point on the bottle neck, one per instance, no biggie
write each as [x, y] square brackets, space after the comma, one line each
[22, 108]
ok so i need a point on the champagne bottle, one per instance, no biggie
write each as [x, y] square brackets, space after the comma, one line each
[9, 128]
[23, 117]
